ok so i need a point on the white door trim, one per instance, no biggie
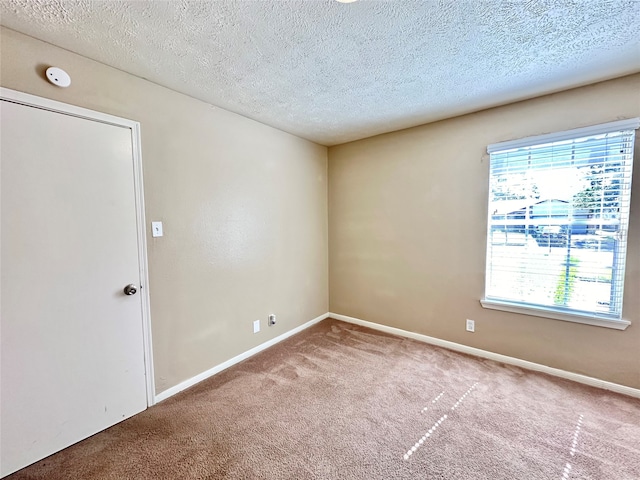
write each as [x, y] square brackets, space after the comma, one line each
[59, 107]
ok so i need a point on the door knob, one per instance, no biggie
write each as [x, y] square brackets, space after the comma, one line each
[130, 289]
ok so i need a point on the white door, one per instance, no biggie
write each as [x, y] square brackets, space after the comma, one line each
[72, 351]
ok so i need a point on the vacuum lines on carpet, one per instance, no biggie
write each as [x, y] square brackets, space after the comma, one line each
[340, 401]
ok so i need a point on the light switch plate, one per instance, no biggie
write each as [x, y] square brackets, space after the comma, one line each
[156, 229]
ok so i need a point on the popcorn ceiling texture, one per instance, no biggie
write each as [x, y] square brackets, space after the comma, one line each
[333, 72]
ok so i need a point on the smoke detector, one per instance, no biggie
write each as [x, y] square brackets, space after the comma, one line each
[58, 77]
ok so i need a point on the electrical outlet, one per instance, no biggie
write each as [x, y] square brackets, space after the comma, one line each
[272, 319]
[256, 326]
[471, 325]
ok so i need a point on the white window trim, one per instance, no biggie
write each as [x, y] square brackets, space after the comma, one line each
[628, 124]
[548, 312]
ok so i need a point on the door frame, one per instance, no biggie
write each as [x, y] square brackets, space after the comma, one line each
[74, 111]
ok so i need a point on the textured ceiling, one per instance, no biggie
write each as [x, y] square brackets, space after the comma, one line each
[334, 72]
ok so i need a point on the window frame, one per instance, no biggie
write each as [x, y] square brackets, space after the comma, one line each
[557, 313]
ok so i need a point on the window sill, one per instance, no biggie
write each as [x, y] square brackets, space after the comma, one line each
[549, 313]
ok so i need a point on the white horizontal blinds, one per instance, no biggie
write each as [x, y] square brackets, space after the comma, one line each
[558, 219]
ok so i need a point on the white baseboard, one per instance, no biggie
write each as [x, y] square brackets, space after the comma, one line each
[556, 372]
[237, 359]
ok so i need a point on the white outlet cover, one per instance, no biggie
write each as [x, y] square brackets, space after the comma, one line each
[156, 229]
[256, 326]
[58, 77]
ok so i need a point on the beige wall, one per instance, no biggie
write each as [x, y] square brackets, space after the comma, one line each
[407, 227]
[244, 208]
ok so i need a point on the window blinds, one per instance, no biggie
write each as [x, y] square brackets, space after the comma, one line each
[558, 220]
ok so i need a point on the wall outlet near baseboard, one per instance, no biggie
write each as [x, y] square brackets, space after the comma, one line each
[471, 325]
[256, 326]
[272, 320]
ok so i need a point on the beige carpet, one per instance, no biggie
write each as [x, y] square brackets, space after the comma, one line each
[344, 402]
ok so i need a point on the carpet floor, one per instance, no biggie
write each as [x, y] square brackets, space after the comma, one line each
[339, 401]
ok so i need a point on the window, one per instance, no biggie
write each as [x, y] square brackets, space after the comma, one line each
[558, 220]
